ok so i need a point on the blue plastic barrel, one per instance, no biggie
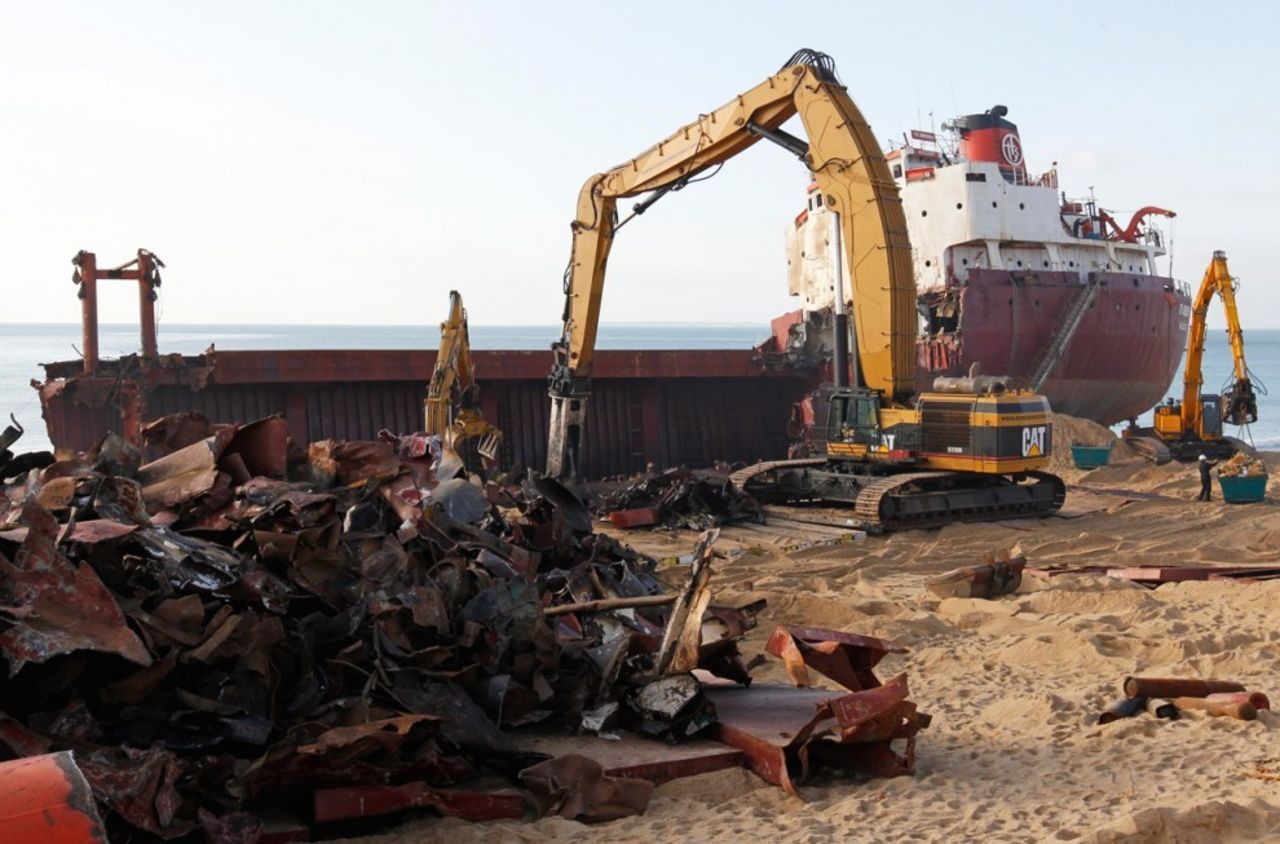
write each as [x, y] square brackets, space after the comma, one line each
[1090, 456]
[1243, 490]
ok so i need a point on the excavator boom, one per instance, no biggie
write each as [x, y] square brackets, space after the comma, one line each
[1184, 430]
[453, 371]
[845, 161]
[451, 412]
[1242, 408]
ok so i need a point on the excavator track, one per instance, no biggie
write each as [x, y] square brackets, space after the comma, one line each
[931, 499]
[1151, 448]
[740, 478]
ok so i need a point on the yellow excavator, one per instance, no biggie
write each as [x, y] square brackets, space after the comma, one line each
[1183, 430]
[453, 396]
[972, 450]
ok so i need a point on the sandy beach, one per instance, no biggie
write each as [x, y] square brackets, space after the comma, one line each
[1014, 684]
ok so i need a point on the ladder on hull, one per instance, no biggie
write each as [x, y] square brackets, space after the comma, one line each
[1070, 324]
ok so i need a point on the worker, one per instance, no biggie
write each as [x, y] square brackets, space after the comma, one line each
[1206, 464]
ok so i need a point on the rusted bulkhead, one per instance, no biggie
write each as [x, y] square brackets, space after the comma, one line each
[667, 407]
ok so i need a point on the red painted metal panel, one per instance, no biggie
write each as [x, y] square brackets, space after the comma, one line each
[347, 365]
[1119, 363]
[632, 420]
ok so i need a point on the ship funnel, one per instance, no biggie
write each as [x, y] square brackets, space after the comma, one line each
[990, 137]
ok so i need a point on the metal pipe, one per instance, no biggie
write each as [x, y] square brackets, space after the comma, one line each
[87, 263]
[972, 384]
[1125, 707]
[1162, 708]
[1257, 699]
[840, 352]
[147, 303]
[1177, 687]
[1243, 710]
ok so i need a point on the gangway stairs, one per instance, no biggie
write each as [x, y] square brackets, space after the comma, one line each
[1070, 323]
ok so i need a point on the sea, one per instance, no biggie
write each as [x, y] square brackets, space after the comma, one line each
[24, 346]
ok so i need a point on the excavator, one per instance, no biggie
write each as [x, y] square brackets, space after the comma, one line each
[974, 450]
[453, 396]
[1183, 430]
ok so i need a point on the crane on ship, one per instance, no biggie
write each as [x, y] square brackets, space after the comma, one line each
[1132, 232]
[973, 450]
[1184, 429]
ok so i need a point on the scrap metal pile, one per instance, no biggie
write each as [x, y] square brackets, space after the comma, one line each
[242, 640]
[1242, 465]
[681, 498]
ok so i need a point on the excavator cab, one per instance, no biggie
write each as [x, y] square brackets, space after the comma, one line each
[853, 416]
[1210, 416]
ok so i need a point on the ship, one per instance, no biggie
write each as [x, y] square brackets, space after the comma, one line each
[1012, 277]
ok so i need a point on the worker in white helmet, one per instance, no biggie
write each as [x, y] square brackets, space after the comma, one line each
[1206, 489]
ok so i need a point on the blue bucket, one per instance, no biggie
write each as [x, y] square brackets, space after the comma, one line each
[1090, 456]
[1243, 490]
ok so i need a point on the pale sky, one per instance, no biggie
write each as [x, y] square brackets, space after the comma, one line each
[350, 163]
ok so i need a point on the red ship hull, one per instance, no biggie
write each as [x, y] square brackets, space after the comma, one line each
[1118, 364]
[666, 407]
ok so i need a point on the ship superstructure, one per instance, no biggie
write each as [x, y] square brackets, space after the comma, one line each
[1013, 275]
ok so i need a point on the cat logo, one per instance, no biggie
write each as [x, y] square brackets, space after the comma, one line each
[1033, 441]
[886, 442]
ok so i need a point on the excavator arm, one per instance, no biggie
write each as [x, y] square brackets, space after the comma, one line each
[453, 371]
[845, 161]
[1241, 403]
[450, 408]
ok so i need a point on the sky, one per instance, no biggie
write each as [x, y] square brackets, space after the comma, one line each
[338, 163]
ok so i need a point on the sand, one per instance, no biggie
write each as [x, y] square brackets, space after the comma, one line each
[1014, 684]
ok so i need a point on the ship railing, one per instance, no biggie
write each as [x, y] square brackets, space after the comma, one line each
[1047, 179]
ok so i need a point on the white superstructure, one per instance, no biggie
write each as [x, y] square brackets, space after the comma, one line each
[970, 205]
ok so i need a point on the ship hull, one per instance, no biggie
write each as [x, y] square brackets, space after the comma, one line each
[1118, 363]
[666, 407]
